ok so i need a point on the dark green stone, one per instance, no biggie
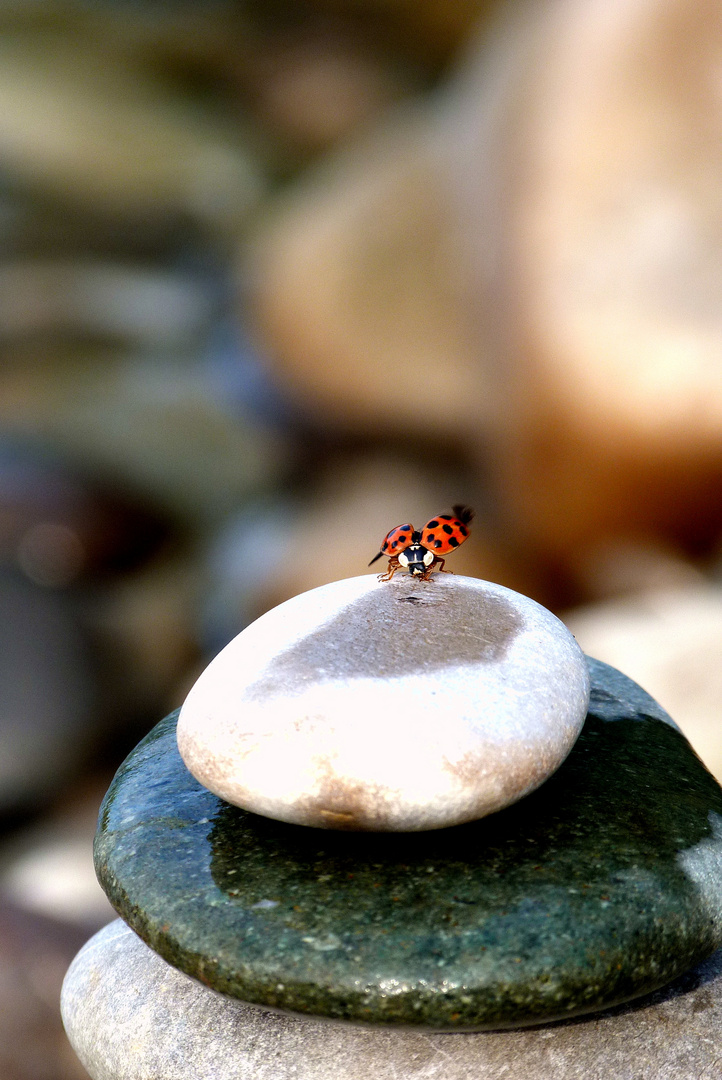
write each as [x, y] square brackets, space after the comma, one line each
[603, 885]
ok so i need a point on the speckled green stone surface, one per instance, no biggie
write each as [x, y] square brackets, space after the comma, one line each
[602, 885]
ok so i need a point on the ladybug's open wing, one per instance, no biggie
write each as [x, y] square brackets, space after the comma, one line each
[447, 531]
[395, 541]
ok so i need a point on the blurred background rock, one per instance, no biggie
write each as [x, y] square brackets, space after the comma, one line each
[275, 276]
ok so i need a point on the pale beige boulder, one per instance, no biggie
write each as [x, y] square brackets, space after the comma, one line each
[586, 157]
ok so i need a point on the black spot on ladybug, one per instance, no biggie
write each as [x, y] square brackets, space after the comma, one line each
[448, 529]
[433, 524]
[446, 517]
[438, 543]
[431, 537]
[402, 538]
[453, 541]
[463, 530]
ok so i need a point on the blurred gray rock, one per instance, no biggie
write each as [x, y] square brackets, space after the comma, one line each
[103, 298]
[47, 869]
[153, 426]
[82, 121]
[45, 693]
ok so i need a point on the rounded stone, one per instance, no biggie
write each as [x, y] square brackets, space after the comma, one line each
[388, 706]
[130, 1016]
[602, 885]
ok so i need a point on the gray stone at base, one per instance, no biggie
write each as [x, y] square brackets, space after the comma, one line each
[130, 1016]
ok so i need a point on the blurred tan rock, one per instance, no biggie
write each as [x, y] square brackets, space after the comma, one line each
[587, 158]
[144, 625]
[670, 642]
[79, 121]
[532, 267]
[359, 292]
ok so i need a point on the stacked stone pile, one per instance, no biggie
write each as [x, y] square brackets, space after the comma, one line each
[416, 809]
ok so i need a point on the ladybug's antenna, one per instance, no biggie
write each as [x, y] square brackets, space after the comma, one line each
[375, 558]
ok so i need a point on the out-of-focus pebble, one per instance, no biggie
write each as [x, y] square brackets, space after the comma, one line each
[144, 626]
[55, 878]
[58, 528]
[46, 868]
[312, 89]
[45, 693]
[359, 293]
[670, 642]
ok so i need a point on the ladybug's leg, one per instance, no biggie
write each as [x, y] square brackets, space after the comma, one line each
[437, 564]
[393, 566]
[426, 576]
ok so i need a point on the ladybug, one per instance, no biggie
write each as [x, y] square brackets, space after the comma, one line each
[419, 552]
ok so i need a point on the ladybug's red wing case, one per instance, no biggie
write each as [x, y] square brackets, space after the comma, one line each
[447, 531]
[395, 541]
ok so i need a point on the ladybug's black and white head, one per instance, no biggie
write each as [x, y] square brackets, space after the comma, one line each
[416, 558]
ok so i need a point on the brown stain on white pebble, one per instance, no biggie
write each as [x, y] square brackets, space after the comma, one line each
[405, 632]
[525, 768]
[338, 803]
[336, 820]
[468, 768]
